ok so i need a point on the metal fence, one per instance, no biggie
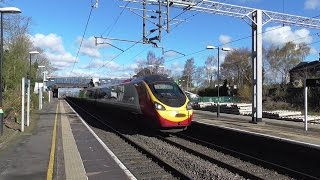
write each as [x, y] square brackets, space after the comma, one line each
[222, 99]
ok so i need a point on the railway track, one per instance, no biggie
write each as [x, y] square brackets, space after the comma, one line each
[168, 162]
[149, 155]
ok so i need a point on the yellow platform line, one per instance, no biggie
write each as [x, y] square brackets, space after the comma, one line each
[53, 147]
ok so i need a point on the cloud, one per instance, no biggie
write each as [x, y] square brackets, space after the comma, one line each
[88, 47]
[312, 4]
[50, 42]
[176, 67]
[172, 53]
[54, 50]
[99, 63]
[224, 39]
[279, 35]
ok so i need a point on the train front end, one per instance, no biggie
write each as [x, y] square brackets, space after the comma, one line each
[172, 106]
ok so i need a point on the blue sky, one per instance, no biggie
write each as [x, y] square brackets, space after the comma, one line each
[58, 27]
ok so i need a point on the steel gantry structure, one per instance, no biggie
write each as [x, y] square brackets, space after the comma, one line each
[254, 17]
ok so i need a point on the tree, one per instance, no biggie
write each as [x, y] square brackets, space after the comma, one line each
[199, 77]
[282, 59]
[237, 67]
[210, 69]
[153, 63]
[17, 46]
[187, 73]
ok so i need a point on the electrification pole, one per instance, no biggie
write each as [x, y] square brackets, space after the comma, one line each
[256, 18]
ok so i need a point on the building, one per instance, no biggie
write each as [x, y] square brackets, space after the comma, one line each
[304, 70]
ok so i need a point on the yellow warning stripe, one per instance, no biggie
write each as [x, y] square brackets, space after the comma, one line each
[53, 147]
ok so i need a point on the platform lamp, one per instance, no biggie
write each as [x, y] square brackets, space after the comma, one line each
[4, 10]
[218, 74]
[29, 86]
[40, 92]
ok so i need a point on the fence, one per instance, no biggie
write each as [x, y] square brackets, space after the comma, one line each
[222, 99]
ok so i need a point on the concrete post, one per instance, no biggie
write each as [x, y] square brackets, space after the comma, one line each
[22, 98]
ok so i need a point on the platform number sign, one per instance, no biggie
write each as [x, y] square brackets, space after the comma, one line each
[313, 82]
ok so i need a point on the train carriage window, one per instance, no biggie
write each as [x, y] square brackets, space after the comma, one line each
[130, 94]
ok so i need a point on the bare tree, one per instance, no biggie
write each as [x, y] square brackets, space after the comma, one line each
[283, 59]
[152, 65]
[237, 67]
[199, 77]
[210, 69]
[187, 74]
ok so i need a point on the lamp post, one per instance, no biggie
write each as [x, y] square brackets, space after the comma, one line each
[29, 86]
[218, 75]
[40, 92]
[5, 10]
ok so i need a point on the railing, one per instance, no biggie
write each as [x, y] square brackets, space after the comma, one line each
[222, 99]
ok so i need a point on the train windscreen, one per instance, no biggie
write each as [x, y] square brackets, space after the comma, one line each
[169, 93]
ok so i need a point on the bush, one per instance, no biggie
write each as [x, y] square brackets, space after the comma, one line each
[245, 93]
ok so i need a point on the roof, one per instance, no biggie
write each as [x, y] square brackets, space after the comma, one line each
[307, 65]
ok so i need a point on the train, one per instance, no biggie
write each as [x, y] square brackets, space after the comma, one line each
[158, 98]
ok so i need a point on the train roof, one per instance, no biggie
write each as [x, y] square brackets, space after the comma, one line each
[152, 78]
[148, 79]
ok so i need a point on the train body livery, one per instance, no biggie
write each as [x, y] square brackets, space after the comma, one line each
[156, 97]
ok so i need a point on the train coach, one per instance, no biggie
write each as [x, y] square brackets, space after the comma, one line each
[158, 98]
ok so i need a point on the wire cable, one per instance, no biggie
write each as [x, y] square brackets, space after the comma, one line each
[85, 29]
[115, 22]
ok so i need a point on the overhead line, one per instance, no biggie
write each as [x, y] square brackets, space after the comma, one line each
[115, 22]
[85, 29]
[196, 51]
[112, 25]
[242, 39]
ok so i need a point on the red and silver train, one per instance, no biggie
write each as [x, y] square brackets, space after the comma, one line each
[158, 98]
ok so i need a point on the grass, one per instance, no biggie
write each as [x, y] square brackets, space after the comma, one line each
[12, 136]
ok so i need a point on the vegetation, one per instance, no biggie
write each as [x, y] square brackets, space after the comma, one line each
[16, 65]
[236, 75]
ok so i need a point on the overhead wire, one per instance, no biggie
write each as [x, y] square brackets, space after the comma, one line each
[239, 39]
[83, 35]
[196, 52]
[111, 26]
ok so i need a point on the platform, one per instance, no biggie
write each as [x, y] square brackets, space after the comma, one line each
[284, 130]
[62, 147]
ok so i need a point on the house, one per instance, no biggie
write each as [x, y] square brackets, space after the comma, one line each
[304, 70]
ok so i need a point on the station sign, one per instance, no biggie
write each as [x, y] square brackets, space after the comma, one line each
[313, 82]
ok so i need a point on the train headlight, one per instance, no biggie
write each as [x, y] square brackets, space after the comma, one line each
[189, 106]
[159, 106]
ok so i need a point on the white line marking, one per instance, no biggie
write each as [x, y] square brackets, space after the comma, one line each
[264, 135]
[114, 157]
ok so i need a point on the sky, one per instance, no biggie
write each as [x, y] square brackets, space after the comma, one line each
[66, 31]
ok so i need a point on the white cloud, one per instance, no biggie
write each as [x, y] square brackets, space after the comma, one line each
[314, 51]
[176, 67]
[50, 42]
[312, 4]
[99, 63]
[224, 39]
[279, 35]
[172, 53]
[88, 47]
[54, 50]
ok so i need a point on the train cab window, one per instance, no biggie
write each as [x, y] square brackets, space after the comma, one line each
[167, 89]
[168, 93]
